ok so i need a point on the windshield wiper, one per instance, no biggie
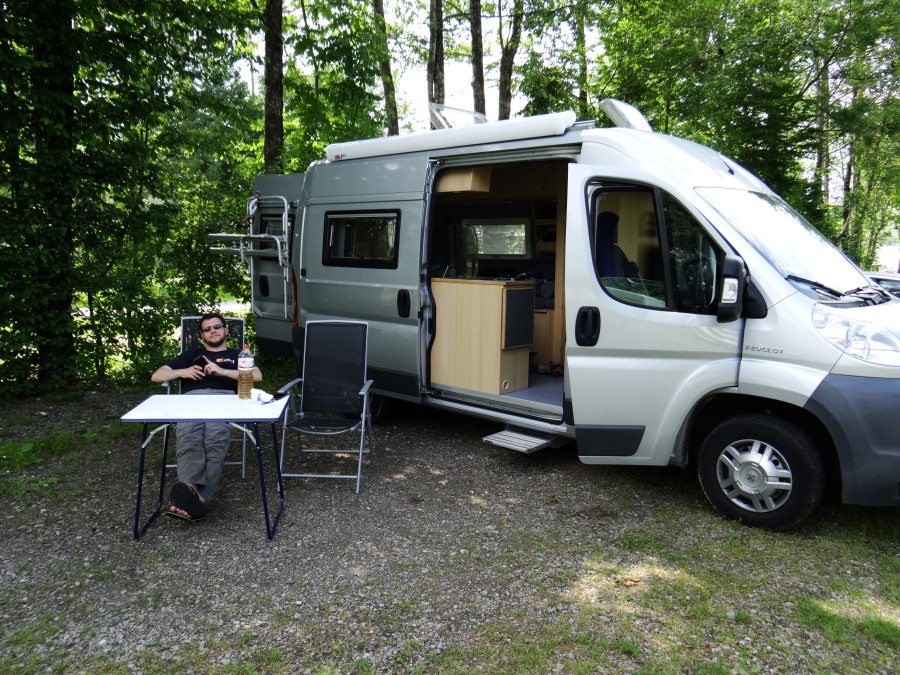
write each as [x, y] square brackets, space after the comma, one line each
[870, 293]
[816, 285]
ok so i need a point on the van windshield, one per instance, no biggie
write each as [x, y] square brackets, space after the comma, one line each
[782, 236]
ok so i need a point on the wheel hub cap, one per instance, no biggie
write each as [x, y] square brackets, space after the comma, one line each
[754, 475]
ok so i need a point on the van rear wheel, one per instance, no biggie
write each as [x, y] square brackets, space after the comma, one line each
[383, 409]
[761, 470]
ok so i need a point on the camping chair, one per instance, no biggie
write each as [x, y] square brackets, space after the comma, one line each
[190, 339]
[334, 392]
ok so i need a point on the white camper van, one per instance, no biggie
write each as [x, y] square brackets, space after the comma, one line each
[636, 293]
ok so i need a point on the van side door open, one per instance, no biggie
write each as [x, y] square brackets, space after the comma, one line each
[643, 341]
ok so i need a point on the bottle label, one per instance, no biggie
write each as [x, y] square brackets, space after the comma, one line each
[245, 364]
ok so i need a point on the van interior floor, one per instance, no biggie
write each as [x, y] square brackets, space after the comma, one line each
[542, 388]
[543, 397]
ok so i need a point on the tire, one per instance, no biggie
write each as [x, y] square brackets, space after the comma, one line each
[383, 409]
[761, 470]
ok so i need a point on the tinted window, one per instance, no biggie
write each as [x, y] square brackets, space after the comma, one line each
[635, 265]
[361, 239]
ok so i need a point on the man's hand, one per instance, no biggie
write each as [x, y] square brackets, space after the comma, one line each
[212, 369]
[192, 373]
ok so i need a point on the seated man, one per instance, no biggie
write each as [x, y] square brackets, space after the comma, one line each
[201, 447]
[611, 259]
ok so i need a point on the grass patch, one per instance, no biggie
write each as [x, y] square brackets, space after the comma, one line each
[18, 455]
[881, 630]
[847, 629]
[17, 649]
[20, 458]
[19, 486]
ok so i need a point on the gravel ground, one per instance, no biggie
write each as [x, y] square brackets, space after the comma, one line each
[452, 544]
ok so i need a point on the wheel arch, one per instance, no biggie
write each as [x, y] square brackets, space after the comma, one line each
[717, 408]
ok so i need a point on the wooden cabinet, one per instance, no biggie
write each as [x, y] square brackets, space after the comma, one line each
[543, 322]
[547, 337]
[483, 334]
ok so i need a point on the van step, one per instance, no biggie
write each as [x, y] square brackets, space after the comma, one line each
[516, 440]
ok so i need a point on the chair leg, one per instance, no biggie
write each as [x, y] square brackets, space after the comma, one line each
[359, 465]
[284, 435]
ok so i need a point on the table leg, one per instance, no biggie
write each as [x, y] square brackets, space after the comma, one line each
[271, 526]
[145, 440]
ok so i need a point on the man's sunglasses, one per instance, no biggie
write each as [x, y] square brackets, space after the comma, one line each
[217, 326]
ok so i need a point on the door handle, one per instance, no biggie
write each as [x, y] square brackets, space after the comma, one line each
[587, 326]
[403, 303]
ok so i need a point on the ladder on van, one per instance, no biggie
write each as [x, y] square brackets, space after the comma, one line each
[267, 240]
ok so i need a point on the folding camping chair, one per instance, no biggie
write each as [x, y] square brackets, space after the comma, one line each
[190, 339]
[334, 393]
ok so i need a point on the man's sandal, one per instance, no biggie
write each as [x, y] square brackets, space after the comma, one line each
[185, 497]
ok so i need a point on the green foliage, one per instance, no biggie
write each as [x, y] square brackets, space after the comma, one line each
[330, 84]
[14, 456]
[804, 94]
[104, 175]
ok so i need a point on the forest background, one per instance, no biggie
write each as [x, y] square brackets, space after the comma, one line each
[130, 131]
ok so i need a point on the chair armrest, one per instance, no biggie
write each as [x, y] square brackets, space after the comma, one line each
[365, 390]
[286, 388]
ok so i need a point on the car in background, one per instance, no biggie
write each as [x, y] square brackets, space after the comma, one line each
[889, 281]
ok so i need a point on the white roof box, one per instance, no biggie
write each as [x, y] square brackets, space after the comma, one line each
[538, 126]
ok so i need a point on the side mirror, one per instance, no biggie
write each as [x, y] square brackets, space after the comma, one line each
[731, 289]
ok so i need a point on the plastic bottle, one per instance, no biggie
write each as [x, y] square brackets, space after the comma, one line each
[245, 372]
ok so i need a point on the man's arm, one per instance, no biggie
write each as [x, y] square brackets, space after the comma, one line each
[167, 374]
[215, 369]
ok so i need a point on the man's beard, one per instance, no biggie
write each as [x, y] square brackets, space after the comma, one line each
[215, 344]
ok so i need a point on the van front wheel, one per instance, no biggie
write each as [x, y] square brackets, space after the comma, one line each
[761, 470]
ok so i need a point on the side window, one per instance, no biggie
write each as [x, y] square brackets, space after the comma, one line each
[634, 264]
[627, 252]
[694, 260]
[361, 240]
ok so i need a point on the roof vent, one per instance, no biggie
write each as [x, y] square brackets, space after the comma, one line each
[445, 117]
[624, 115]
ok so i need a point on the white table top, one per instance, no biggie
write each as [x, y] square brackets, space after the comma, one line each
[204, 408]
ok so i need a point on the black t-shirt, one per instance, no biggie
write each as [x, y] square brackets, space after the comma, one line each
[226, 359]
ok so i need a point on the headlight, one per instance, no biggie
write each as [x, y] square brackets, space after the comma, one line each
[866, 341]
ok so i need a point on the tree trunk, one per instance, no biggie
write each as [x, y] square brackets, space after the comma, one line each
[53, 190]
[435, 74]
[477, 58]
[581, 52]
[820, 194]
[508, 49]
[847, 202]
[387, 77]
[273, 144]
[12, 117]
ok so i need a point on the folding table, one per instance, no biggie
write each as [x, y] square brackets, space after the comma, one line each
[244, 415]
